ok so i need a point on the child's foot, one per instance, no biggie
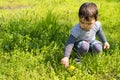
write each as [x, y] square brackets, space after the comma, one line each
[77, 60]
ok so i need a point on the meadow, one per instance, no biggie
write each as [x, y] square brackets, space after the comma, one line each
[33, 34]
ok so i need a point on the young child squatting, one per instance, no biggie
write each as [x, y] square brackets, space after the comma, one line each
[83, 35]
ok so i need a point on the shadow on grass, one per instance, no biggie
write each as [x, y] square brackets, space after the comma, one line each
[21, 33]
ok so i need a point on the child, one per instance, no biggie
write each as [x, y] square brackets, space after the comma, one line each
[82, 36]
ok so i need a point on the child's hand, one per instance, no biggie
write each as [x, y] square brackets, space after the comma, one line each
[106, 45]
[65, 62]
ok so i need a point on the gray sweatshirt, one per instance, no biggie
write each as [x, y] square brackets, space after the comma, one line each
[78, 34]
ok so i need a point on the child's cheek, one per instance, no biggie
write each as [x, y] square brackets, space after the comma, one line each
[82, 26]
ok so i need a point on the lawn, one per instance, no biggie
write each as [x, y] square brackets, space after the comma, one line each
[33, 34]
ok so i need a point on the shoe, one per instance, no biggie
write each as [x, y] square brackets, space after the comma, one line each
[77, 60]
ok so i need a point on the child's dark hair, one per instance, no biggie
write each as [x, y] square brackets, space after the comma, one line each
[88, 11]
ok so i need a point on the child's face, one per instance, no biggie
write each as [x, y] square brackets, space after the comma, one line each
[86, 25]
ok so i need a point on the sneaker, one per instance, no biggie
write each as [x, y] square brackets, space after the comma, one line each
[77, 60]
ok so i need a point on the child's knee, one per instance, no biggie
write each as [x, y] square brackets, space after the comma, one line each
[97, 48]
[83, 47]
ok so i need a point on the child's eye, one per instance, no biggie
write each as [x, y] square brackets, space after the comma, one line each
[81, 22]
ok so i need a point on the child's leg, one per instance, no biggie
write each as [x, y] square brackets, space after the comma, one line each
[96, 46]
[81, 47]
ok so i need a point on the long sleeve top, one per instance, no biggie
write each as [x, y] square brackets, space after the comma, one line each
[78, 34]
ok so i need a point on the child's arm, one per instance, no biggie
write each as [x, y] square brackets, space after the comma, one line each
[68, 48]
[69, 45]
[101, 35]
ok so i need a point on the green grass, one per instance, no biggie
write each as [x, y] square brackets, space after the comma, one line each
[32, 41]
